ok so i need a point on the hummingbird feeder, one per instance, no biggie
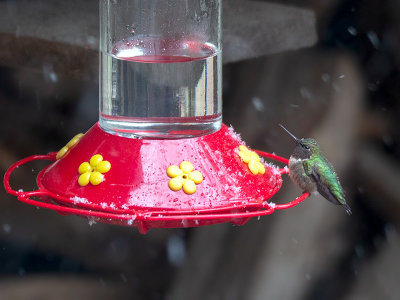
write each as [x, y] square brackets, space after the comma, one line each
[160, 156]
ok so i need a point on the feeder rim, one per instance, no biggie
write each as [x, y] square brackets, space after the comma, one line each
[257, 209]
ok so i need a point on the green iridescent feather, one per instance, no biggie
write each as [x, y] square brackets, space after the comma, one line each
[319, 166]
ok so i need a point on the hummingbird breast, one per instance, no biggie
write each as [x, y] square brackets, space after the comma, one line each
[299, 176]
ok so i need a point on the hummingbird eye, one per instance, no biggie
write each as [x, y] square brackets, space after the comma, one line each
[306, 147]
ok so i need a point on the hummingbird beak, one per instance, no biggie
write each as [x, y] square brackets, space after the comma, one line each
[291, 134]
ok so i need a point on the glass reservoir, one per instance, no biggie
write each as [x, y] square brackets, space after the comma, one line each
[160, 68]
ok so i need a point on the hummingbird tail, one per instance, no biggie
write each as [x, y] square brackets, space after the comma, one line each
[347, 208]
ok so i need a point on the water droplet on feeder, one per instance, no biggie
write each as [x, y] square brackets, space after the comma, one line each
[92, 221]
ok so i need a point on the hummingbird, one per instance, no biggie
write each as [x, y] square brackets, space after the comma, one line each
[312, 172]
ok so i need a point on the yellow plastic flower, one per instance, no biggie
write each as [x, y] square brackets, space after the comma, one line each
[93, 170]
[71, 144]
[184, 177]
[252, 160]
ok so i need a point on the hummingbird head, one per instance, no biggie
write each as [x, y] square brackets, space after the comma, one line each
[305, 148]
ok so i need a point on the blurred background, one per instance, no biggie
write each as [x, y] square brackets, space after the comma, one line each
[325, 69]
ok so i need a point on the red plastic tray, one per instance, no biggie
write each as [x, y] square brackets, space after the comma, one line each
[135, 190]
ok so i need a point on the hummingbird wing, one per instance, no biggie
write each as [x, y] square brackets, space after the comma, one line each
[327, 182]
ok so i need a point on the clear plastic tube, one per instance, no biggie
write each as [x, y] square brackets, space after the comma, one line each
[160, 67]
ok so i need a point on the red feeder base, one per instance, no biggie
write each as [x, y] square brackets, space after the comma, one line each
[135, 190]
